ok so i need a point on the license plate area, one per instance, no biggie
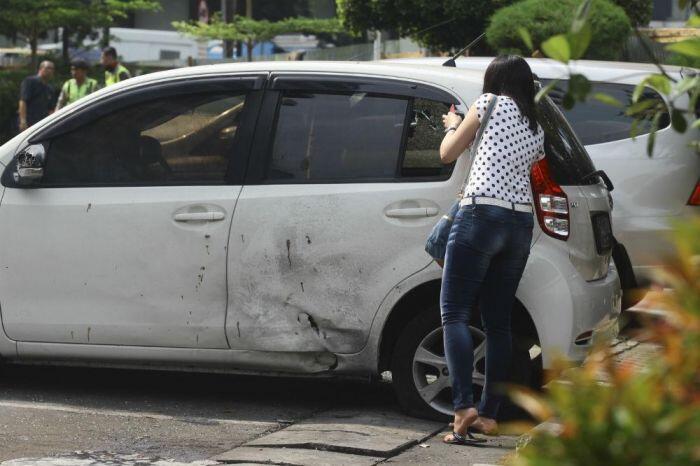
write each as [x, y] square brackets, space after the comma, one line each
[602, 232]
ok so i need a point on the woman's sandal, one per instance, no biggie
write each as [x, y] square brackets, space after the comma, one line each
[467, 440]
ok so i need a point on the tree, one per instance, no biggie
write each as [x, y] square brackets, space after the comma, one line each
[254, 31]
[30, 20]
[437, 24]
[638, 11]
[33, 19]
[609, 26]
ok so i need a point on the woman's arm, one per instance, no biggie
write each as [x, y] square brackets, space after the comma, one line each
[456, 141]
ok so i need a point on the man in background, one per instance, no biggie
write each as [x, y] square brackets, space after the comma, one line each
[36, 100]
[114, 71]
[77, 87]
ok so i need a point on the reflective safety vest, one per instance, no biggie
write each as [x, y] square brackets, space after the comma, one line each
[73, 91]
[112, 77]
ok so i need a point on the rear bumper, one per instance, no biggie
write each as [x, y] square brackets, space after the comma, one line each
[565, 307]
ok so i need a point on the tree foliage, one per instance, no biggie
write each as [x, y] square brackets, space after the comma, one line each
[638, 11]
[609, 27]
[32, 19]
[254, 31]
[437, 24]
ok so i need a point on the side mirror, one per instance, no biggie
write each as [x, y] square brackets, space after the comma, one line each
[30, 165]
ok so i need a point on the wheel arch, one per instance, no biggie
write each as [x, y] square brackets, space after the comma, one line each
[421, 296]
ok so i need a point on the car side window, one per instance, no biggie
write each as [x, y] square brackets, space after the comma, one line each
[595, 122]
[182, 139]
[336, 137]
[425, 133]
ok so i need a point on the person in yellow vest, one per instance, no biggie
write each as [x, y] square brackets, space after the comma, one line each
[114, 71]
[78, 87]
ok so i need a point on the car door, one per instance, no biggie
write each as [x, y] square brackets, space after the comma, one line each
[342, 191]
[123, 241]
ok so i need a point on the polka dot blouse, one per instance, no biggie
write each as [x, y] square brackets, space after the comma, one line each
[508, 149]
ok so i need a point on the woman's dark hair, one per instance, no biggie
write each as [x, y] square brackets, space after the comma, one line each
[510, 75]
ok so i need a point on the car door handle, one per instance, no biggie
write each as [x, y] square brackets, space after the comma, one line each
[211, 216]
[412, 212]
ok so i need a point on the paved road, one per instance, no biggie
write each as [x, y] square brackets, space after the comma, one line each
[90, 417]
[183, 416]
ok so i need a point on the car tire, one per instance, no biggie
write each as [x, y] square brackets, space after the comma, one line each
[412, 379]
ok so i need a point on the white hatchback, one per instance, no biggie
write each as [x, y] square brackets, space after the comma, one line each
[271, 218]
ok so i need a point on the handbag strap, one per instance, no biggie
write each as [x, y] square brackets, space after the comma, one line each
[477, 141]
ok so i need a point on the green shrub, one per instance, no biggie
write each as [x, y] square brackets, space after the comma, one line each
[638, 11]
[682, 60]
[642, 415]
[545, 18]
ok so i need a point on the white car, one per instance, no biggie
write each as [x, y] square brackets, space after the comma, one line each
[650, 192]
[271, 218]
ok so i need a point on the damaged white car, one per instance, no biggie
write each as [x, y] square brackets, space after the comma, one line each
[271, 218]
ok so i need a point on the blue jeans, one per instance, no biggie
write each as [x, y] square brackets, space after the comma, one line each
[486, 254]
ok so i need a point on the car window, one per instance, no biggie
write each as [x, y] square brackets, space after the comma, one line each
[182, 139]
[425, 133]
[567, 158]
[336, 137]
[596, 122]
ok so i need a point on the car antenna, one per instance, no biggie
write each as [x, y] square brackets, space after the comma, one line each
[451, 62]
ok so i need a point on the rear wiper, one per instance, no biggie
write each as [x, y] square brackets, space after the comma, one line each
[604, 176]
[451, 62]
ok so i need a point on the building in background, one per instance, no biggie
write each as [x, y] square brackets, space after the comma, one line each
[667, 14]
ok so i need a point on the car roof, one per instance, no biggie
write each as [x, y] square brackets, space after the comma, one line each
[606, 71]
[445, 77]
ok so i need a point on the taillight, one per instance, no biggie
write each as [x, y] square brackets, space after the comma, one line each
[551, 203]
[695, 197]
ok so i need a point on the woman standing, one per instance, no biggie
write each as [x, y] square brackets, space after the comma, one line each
[489, 242]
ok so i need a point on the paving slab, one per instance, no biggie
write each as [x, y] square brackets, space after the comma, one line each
[370, 433]
[292, 456]
[434, 451]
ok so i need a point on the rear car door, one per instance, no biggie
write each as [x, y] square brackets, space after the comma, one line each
[123, 240]
[342, 190]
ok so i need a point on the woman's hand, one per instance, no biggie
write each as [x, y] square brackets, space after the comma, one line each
[456, 142]
[451, 120]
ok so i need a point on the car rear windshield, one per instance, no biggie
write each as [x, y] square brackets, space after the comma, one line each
[568, 160]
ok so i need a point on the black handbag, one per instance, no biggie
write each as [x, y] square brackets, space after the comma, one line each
[436, 244]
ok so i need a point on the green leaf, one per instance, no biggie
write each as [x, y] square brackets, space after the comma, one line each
[659, 82]
[689, 47]
[579, 87]
[579, 41]
[557, 47]
[545, 90]
[640, 106]
[678, 121]
[581, 17]
[525, 36]
[696, 124]
[686, 84]
[652, 133]
[568, 101]
[693, 22]
[607, 99]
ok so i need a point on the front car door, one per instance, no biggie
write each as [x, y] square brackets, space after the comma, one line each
[123, 241]
[342, 191]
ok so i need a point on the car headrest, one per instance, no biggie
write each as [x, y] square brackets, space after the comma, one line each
[149, 150]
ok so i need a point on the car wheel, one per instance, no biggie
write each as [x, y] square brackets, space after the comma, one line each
[419, 371]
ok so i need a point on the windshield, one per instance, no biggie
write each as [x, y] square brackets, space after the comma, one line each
[568, 160]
